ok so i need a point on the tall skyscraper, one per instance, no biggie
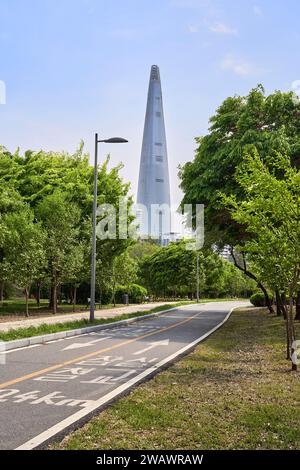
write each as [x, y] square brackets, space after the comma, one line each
[154, 184]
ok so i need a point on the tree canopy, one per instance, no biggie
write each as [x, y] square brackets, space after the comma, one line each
[271, 123]
[270, 210]
[246, 173]
[56, 190]
[172, 271]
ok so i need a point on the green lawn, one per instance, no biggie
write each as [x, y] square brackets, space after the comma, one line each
[235, 391]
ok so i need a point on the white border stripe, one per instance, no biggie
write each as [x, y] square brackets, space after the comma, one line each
[59, 427]
[19, 349]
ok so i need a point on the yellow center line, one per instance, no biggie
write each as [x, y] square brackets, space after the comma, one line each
[95, 353]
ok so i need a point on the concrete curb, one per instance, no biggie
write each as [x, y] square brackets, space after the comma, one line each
[25, 342]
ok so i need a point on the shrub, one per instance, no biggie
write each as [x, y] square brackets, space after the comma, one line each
[258, 299]
[136, 293]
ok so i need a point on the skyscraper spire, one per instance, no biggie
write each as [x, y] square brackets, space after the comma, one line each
[154, 184]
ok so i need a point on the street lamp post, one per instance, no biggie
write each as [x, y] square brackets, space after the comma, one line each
[198, 278]
[113, 140]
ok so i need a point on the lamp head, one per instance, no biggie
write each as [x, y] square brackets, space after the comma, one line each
[114, 140]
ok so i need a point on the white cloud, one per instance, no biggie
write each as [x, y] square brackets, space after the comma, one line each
[222, 28]
[257, 10]
[240, 67]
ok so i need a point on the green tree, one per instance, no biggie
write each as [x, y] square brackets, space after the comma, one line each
[37, 178]
[213, 266]
[124, 272]
[235, 284]
[270, 211]
[25, 242]
[104, 277]
[271, 123]
[142, 248]
[170, 270]
[59, 218]
[10, 203]
[76, 272]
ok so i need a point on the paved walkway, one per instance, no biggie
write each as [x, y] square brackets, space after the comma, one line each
[105, 313]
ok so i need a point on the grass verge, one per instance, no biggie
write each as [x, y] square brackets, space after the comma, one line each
[235, 391]
[45, 329]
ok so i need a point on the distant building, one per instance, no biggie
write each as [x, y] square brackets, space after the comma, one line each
[153, 199]
[225, 253]
[170, 237]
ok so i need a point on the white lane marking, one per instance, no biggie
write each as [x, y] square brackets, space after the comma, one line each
[57, 428]
[20, 349]
[72, 337]
[152, 346]
[52, 341]
[109, 379]
[177, 317]
[43, 344]
[34, 399]
[55, 341]
[84, 345]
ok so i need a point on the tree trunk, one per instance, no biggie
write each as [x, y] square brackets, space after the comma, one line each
[50, 305]
[287, 341]
[26, 299]
[54, 298]
[38, 293]
[291, 330]
[297, 317]
[114, 294]
[244, 269]
[58, 295]
[279, 308]
[283, 305]
[2, 292]
[267, 298]
[74, 298]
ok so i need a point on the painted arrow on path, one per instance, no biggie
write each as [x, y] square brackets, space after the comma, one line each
[84, 345]
[152, 346]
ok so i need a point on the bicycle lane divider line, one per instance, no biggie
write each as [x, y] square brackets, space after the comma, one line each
[92, 354]
[67, 422]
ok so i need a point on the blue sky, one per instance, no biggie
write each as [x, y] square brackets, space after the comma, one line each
[73, 67]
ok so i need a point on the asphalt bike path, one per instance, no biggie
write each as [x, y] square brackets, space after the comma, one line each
[49, 388]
